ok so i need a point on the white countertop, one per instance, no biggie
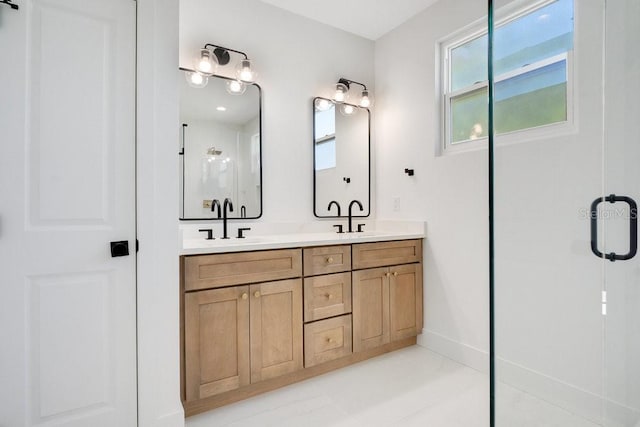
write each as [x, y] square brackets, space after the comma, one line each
[197, 245]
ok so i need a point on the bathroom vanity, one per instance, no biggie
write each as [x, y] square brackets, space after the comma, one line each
[260, 315]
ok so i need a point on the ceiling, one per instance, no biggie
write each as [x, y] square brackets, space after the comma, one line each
[370, 19]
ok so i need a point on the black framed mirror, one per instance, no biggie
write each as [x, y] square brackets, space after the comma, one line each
[341, 158]
[220, 149]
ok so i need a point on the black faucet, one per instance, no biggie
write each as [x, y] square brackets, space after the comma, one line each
[227, 204]
[333, 202]
[214, 203]
[350, 215]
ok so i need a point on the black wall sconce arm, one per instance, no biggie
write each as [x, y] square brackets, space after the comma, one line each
[222, 53]
[10, 4]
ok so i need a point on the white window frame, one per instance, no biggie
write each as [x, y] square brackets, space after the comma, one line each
[477, 30]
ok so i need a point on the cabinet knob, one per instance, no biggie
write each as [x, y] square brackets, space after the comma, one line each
[329, 296]
[395, 273]
[245, 296]
[257, 294]
[387, 274]
[329, 260]
[330, 340]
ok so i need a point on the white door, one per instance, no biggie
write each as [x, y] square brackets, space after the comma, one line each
[67, 189]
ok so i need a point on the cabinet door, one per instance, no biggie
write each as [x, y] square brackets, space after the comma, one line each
[370, 308]
[276, 328]
[405, 301]
[216, 341]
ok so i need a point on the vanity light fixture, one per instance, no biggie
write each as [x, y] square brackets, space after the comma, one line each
[195, 79]
[348, 109]
[342, 92]
[212, 153]
[212, 56]
[322, 104]
[236, 87]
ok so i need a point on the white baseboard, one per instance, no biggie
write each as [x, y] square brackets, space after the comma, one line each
[581, 402]
[454, 350]
[174, 419]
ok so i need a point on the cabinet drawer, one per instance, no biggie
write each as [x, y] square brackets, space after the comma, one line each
[214, 271]
[366, 255]
[327, 259]
[327, 340]
[327, 296]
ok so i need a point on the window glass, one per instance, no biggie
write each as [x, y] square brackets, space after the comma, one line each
[469, 63]
[531, 71]
[535, 98]
[469, 116]
[326, 154]
[541, 34]
[325, 123]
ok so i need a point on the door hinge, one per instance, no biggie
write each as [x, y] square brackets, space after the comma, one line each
[137, 242]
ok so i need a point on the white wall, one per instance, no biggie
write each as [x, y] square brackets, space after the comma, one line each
[248, 169]
[449, 192]
[157, 184]
[298, 59]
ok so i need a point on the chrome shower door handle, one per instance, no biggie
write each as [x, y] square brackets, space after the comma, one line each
[633, 227]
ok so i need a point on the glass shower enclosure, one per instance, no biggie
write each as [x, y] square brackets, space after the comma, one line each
[565, 147]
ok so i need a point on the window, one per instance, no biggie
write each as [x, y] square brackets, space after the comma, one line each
[325, 139]
[532, 53]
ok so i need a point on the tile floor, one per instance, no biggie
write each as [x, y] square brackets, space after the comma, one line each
[409, 387]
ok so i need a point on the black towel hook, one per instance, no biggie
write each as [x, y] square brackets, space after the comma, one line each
[8, 3]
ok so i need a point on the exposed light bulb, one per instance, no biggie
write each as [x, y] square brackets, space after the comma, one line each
[323, 104]
[348, 109]
[245, 72]
[236, 87]
[367, 100]
[196, 79]
[204, 66]
[341, 93]
[206, 63]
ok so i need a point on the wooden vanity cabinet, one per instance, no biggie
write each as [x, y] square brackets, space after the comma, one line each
[276, 328]
[327, 304]
[387, 301]
[256, 321]
[216, 339]
[241, 334]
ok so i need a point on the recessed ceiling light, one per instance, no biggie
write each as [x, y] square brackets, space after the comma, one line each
[221, 108]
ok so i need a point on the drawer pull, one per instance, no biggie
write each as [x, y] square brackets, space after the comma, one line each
[387, 274]
[257, 294]
[245, 296]
[329, 260]
[330, 340]
[329, 296]
[395, 273]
